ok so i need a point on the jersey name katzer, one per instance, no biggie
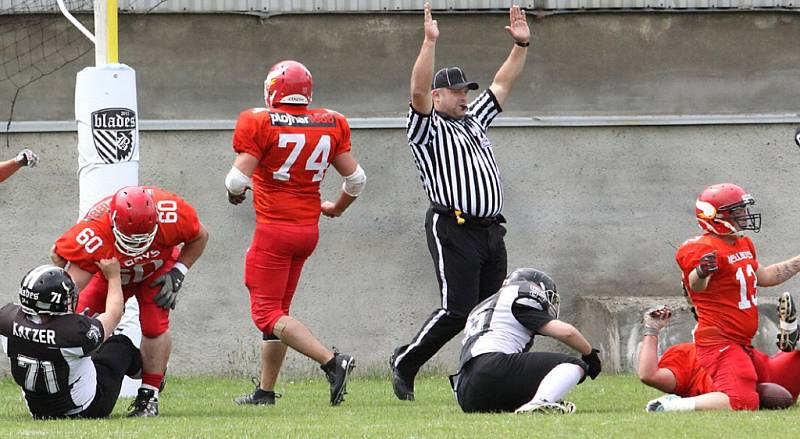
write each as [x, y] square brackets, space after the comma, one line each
[50, 361]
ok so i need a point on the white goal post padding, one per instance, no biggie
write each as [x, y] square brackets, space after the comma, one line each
[108, 132]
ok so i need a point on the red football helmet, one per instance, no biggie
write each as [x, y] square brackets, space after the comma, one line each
[723, 209]
[288, 82]
[134, 219]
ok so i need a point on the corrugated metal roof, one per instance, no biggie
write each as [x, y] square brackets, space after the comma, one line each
[346, 6]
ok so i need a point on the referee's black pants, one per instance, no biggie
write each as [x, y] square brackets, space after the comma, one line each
[470, 262]
[115, 358]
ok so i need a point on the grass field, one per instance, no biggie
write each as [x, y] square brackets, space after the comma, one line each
[612, 406]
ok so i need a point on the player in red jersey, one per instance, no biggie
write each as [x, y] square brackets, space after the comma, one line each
[286, 149]
[156, 236]
[689, 386]
[721, 271]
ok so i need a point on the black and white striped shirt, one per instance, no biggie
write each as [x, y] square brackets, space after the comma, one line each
[455, 158]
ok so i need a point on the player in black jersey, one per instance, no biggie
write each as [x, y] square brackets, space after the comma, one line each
[497, 373]
[50, 346]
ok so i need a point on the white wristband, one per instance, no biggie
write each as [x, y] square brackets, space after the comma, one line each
[182, 268]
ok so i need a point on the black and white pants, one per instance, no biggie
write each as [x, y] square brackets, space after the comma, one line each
[114, 359]
[470, 262]
[498, 382]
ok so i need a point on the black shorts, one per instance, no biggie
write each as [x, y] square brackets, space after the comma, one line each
[497, 382]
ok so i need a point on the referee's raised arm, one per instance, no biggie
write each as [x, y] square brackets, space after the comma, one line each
[508, 73]
[422, 74]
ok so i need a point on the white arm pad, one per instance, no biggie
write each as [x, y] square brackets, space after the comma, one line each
[236, 182]
[354, 183]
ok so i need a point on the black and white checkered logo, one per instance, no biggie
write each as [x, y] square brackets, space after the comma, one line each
[114, 131]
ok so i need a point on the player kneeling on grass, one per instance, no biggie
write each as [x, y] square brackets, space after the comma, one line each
[690, 387]
[49, 346]
[497, 374]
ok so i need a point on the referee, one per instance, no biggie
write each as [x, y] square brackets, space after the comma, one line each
[456, 164]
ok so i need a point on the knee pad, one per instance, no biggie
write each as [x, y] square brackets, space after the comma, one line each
[268, 336]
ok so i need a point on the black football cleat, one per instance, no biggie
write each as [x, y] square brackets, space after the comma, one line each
[258, 397]
[145, 404]
[338, 371]
[788, 332]
[402, 385]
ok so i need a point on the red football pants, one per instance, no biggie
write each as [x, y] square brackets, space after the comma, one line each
[272, 269]
[784, 368]
[735, 370]
[154, 319]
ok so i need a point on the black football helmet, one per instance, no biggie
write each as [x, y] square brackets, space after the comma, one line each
[47, 289]
[539, 278]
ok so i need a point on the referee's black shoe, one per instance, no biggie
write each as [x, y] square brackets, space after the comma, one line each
[337, 370]
[402, 385]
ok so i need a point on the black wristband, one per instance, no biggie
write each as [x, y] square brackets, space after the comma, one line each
[520, 44]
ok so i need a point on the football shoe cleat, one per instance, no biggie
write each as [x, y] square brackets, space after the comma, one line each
[787, 330]
[145, 404]
[662, 404]
[547, 408]
[337, 370]
[258, 397]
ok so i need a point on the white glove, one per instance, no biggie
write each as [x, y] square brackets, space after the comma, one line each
[26, 157]
[655, 319]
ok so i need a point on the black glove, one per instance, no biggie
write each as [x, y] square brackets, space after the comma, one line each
[170, 283]
[237, 199]
[708, 265]
[593, 360]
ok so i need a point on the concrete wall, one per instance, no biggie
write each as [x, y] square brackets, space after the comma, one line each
[212, 66]
[601, 209]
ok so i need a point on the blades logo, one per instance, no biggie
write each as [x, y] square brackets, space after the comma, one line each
[114, 131]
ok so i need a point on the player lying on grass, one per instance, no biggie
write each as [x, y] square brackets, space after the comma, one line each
[497, 373]
[690, 387]
[50, 346]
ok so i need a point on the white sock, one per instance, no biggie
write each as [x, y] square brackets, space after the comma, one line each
[678, 404]
[154, 389]
[790, 327]
[558, 382]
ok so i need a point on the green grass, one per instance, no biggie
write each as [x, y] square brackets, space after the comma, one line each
[612, 406]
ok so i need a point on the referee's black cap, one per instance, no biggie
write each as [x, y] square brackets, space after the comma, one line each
[452, 77]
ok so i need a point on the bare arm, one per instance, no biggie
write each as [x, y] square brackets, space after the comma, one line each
[567, 334]
[8, 168]
[697, 283]
[345, 165]
[507, 75]
[422, 73]
[649, 372]
[114, 299]
[80, 276]
[246, 163]
[193, 249]
[779, 273]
